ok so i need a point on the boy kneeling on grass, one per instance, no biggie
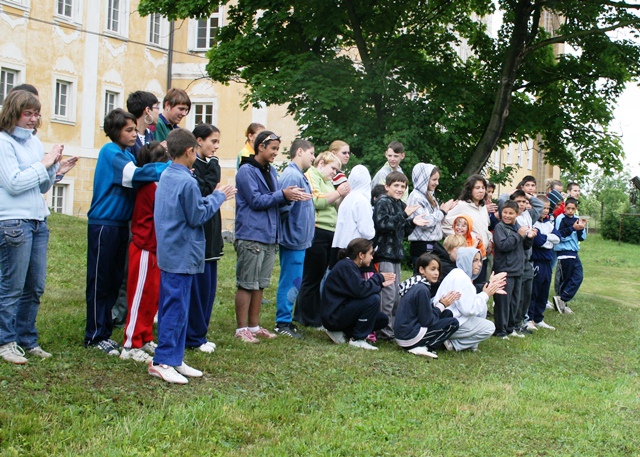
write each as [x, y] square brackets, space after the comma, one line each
[180, 212]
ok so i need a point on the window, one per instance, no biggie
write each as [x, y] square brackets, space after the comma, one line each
[60, 197]
[8, 80]
[61, 102]
[154, 28]
[202, 113]
[57, 198]
[117, 15]
[205, 36]
[64, 8]
[110, 101]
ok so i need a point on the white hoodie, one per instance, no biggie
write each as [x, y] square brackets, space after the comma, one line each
[355, 214]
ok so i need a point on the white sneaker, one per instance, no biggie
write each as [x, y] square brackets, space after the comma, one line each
[186, 370]
[549, 305]
[149, 347]
[530, 325]
[135, 354]
[336, 337]
[362, 344]
[516, 334]
[567, 310]
[39, 352]
[560, 305]
[423, 351]
[13, 353]
[166, 373]
[543, 324]
[207, 347]
[449, 345]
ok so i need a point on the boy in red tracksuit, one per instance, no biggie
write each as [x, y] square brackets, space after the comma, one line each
[143, 281]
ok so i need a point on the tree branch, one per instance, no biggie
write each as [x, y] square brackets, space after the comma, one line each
[581, 33]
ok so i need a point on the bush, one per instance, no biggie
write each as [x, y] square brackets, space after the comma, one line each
[630, 226]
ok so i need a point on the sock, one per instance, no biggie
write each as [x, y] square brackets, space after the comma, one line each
[254, 329]
[238, 330]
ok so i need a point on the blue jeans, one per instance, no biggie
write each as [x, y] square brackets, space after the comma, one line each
[23, 257]
[291, 265]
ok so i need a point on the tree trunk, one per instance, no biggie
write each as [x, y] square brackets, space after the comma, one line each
[500, 111]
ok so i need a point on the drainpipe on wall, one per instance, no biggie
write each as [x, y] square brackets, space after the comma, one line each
[170, 59]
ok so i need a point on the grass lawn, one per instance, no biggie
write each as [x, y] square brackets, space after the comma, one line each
[571, 392]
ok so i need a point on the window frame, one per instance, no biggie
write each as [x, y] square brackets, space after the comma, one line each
[70, 116]
[163, 31]
[76, 12]
[195, 101]
[122, 18]
[194, 25]
[67, 184]
[110, 89]
[17, 80]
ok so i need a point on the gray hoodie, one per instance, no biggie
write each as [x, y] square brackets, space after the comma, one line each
[433, 230]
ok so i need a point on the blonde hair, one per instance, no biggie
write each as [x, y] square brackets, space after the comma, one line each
[326, 157]
[454, 241]
[336, 145]
[14, 105]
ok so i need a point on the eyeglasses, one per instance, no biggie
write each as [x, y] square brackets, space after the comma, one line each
[31, 114]
[271, 137]
[156, 107]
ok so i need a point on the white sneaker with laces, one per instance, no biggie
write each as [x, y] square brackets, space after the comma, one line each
[167, 374]
[207, 347]
[516, 334]
[549, 305]
[336, 337]
[149, 347]
[362, 344]
[186, 370]
[135, 354]
[13, 353]
[39, 352]
[530, 325]
[423, 351]
[543, 324]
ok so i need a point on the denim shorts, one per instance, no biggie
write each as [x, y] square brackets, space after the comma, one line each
[255, 264]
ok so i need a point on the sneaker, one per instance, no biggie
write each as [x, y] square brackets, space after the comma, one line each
[560, 305]
[149, 347]
[166, 373]
[504, 337]
[288, 329]
[423, 351]
[362, 344]
[135, 354]
[567, 310]
[13, 353]
[516, 334]
[320, 328]
[336, 337]
[186, 370]
[549, 305]
[207, 347]
[39, 352]
[264, 333]
[448, 345]
[530, 325]
[524, 330]
[371, 338]
[106, 347]
[246, 336]
[543, 324]
[114, 344]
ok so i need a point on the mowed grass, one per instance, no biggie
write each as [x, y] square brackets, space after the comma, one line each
[573, 392]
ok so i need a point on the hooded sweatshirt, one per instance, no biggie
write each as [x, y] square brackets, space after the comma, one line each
[355, 215]
[415, 313]
[433, 230]
[471, 238]
[478, 213]
[460, 279]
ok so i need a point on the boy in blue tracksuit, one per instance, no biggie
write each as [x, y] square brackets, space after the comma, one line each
[297, 227]
[114, 180]
[179, 214]
[571, 230]
[542, 256]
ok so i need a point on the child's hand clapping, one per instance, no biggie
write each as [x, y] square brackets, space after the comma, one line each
[389, 278]
[228, 190]
[449, 298]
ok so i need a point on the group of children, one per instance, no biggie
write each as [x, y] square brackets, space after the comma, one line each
[176, 242]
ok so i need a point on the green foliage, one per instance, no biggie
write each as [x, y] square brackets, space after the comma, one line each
[630, 225]
[429, 74]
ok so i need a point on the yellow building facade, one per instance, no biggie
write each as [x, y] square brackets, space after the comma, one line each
[86, 56]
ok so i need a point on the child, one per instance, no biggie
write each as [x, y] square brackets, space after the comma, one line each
[450, 245]
[542, 257]
[179, 213]
[571, 230]
[257, 225]
[510, 241]
[207, 172]
[392, 220]
[463, 226]
[573, 191]
[143, 281]
[108, 232]
[297, 226]
[426, 178]
[394, 155]
[176, 105]
[419, 327]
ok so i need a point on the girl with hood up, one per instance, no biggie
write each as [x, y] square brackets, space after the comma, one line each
[426, 178]
[471, 308]
[463, 225]
[355, 215]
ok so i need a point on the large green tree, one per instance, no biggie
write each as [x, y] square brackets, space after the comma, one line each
[430, 73]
